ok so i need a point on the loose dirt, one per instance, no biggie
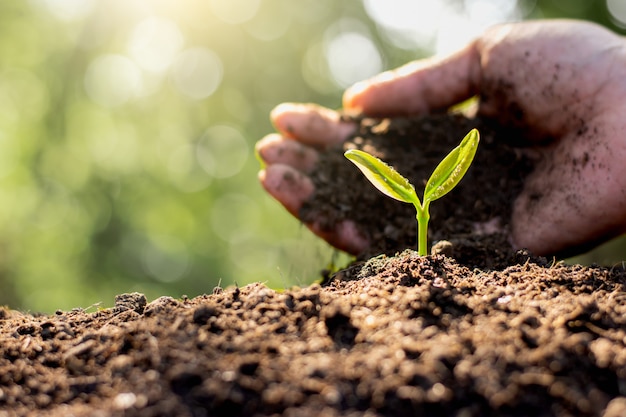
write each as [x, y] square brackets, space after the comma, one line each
[476, 330]
[414, 147]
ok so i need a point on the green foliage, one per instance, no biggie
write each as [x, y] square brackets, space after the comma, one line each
[382, 176]
[123, 168]
[453, 167]
[443, 179]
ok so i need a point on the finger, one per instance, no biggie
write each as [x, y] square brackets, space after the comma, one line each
[345, 236]
[287, 185]
[418, 87]
[311, 124]
[292, 188]
[276, 149]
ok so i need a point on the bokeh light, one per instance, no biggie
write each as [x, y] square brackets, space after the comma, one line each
[485, 13]
[235, 11]
[111, 80]
[127, 130]
[617, 10]
[270, 23]
[154, 44]
[350, 52]
[197, 72]
[439, 27]
[407, 24]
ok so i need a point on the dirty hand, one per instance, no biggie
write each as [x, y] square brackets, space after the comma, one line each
[562, 81]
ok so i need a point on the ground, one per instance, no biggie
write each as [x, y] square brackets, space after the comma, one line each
[477, 329]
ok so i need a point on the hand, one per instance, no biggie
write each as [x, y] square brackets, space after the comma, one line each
[562, 81]
[291, 154]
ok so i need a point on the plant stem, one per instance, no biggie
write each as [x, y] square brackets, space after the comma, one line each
[422, 230]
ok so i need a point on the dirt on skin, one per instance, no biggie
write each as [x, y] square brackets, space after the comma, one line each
[477, 330]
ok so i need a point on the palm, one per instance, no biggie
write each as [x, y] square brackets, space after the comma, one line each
[562, 81]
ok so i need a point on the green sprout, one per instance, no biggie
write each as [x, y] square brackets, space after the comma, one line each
[443, 179]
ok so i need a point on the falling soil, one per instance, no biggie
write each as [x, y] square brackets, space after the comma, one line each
[476, 330]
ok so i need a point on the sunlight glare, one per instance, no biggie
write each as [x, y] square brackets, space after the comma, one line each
[270, 23]
[235, 11]
[454, 33]
[414, 24]
[408, 24]
[351, 54]
[487, 12]
[155, 43]
[67, 10]
[456, 29]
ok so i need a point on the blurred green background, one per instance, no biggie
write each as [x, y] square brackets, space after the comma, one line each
[127, 130]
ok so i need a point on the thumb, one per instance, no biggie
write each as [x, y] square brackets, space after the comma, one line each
[418, 87]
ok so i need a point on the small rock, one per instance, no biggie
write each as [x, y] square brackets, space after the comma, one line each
[132, 301]
[442, 247]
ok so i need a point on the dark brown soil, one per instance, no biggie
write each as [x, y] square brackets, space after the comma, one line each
[482, 331]
[398, 336]
[414, 147]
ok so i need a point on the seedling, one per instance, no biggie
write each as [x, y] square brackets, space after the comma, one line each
[443, 179]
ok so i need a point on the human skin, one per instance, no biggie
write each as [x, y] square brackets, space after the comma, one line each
[562, 81]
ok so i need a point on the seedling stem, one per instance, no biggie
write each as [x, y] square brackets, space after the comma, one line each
[443, 179]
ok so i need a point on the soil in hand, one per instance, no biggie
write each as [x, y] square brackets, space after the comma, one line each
[474, 216]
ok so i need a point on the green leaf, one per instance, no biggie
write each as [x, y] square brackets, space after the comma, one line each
[382, 176]
[453, 167]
